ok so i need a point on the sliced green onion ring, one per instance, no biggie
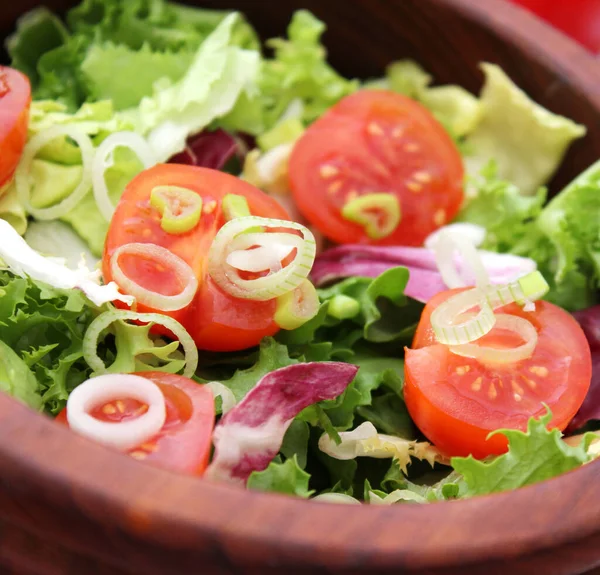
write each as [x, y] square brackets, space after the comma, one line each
[165, 258]
[360, 211]
[130, 140]
[443, 319]
[233, 237]
[22, 174]
[180, 208]
[100, 323]
[508, 322]
[235, 206]
[295, 308]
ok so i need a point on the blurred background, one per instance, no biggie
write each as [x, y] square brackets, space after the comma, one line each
[580, 19]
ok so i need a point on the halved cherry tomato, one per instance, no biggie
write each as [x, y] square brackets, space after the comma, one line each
[216, 320]
[184, 442]
[457, 401]
[376, 141]
[15, 97]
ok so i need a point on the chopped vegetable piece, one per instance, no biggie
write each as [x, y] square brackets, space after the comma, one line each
[457, 401]
[180, 208]
[377, 141]
[235, 206]
[250, 435]
[379, 214]
[296, 307]
[183, 443]
[216, 320]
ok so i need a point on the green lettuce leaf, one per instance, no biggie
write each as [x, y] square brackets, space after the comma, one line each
[287, 477]
[527, 141]
[12, 211]
[219, 73]
[108, 70]
[500, 208]
[16, 378]
[453, 106]
[534, 455]
[299, 72]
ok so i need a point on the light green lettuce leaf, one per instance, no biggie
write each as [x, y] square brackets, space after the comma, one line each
[17, 379]
[11, 209]
[287, 477]
[299, 71]
[527, 141]
[108, 70]
[217, 76]
[534, 455]
[453, 106]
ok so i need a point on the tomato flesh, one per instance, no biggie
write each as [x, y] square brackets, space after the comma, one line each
[216, 320]
[456, 401]
[376, 141]
[15, 97]
[184, 442]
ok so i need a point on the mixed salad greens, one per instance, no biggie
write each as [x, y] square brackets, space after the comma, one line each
[337, 289]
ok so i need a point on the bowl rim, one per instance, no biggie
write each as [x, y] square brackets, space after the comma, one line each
[115, 490]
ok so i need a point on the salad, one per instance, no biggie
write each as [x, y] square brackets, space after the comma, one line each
[232, 262]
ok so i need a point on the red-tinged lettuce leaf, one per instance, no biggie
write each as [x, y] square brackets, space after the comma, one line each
[250, 435]
[216, 150]
[588, 415]
[424, 280]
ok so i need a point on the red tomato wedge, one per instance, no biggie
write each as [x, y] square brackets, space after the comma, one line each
[183, 444]
[15, 97]
[457, 401]
[377, 141]
[216, 320]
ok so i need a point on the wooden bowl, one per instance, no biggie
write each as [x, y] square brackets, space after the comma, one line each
[69, 506]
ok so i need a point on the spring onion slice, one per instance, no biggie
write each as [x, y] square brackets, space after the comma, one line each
[130, 140]
[22, 174]
[444, 318]
[296, 307]
[164, 258]
[367, 210]
[228, 400]
[100, 323]
[233, 237]
[513, 323]
[123, 435]
[180, 208]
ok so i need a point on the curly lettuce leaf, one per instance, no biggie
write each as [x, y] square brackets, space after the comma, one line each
[219, 73]
[16, 378]
[535, 455]
[527, 141]
[499, 207]
[299, 71]
[287, 477]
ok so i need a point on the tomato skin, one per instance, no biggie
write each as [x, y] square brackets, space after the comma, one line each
[377, 141]
[456, 402]
[183, 445]
[15, 98]
[216, 321]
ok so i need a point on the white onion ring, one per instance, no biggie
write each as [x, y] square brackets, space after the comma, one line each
[130, 140]
[22, 173]
[508, 322]
[148, 297]
[121, 435]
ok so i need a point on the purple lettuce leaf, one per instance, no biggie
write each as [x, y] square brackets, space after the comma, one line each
[424, 281]
[212, 150]
[589, 319]
[250, 435]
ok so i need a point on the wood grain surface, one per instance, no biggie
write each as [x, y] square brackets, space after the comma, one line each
[71, 507]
